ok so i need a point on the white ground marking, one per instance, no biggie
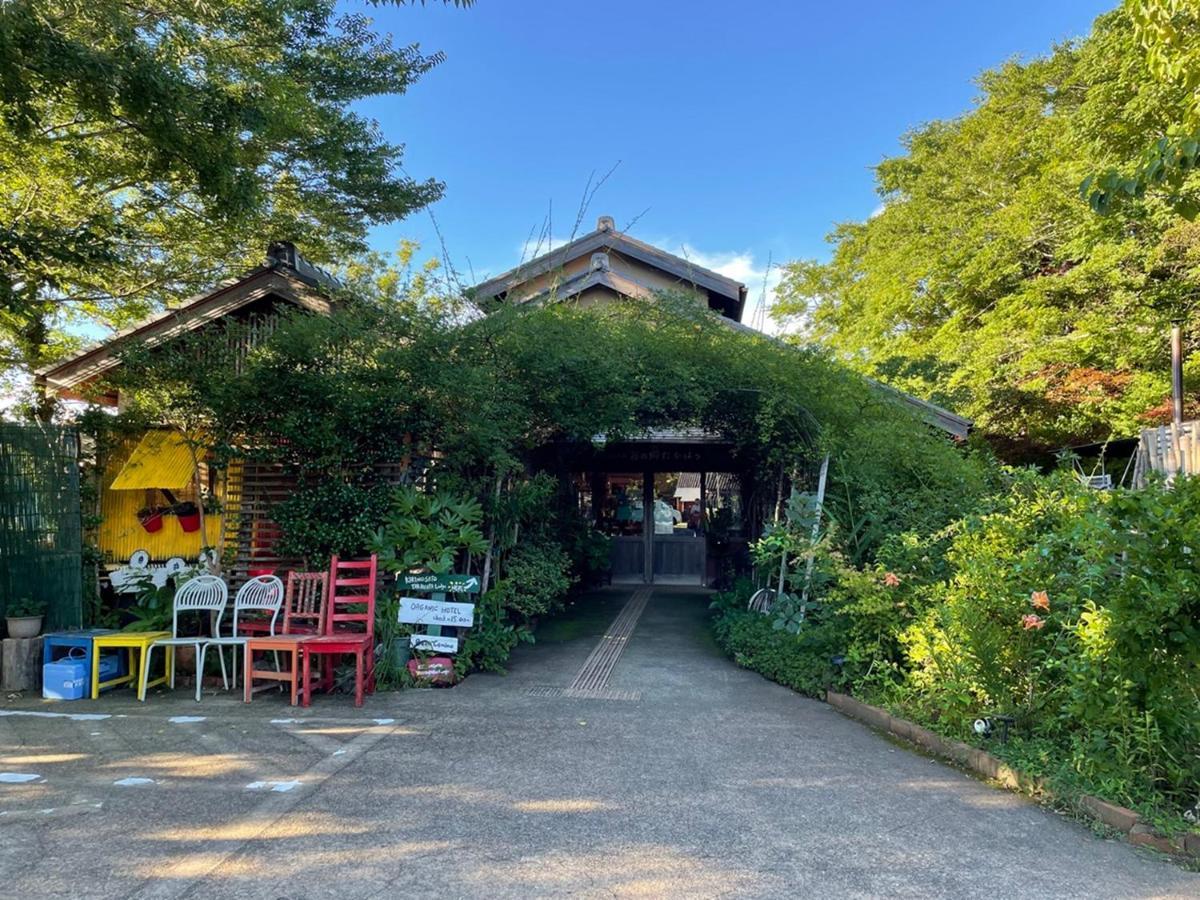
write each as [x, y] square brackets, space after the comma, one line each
[183, 878]
[384, 721]
[283, 721]
[133, 780]
[279, 787]
[17, 777]
[75, 717]
[186, 720]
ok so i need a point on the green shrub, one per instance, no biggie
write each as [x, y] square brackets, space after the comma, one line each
[536, 579]
[803, 662]
[1075, 611]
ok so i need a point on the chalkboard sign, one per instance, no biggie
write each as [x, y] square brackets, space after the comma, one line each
[449, 584]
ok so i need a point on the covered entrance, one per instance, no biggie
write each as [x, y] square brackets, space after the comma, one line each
[657, 522]
[671, 503]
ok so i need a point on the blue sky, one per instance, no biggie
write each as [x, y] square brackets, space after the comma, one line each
[743, 130]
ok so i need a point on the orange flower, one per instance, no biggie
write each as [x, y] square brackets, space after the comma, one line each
[1031, 621]
[891, 579]
[1040, 600]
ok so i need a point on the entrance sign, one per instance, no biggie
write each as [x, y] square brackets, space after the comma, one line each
[433, 642]
[428, 581]
[416, 611]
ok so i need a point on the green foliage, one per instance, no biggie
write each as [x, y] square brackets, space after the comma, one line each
[803, 662]
[536, 579]
[472, 404]
[428, 532]
[147, 150]
[1075, 611]
[1169, 33]
[1108, 670]
[986, 284]
[153, 605]
[25, 606]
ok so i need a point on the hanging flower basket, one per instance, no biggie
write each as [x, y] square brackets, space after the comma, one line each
[151, 519]
[188, 515]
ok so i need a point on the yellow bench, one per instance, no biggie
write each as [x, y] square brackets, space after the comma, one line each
[136, 644]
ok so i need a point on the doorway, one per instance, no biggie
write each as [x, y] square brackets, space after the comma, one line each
[660, 523]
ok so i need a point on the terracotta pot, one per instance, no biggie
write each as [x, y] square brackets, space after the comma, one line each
[189, 523]
[23, 626]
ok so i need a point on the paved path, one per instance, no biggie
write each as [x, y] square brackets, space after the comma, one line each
[690, 778]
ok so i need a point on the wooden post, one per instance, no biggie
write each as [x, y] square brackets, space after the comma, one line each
[648, 526]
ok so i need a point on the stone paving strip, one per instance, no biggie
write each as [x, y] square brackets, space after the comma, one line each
[593, 677]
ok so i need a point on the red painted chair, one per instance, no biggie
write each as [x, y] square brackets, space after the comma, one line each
[303, 607]
[303, 616]
[349, 627]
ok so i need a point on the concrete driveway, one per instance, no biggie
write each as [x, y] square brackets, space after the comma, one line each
[639, 763]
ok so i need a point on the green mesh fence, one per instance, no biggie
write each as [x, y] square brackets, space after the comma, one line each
[40, 526]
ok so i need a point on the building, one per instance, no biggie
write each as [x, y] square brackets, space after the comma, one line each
[678, 503]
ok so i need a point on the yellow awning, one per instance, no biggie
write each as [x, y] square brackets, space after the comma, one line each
[160, 460]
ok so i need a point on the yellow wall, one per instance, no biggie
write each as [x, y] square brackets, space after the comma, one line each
[120, 532]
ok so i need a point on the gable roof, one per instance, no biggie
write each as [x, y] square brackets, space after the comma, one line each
[607, 238]
[285, 275]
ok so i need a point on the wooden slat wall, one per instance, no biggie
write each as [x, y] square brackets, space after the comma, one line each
[251, 490]
[1169, 450]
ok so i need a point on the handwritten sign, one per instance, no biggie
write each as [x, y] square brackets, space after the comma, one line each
[434, 642]
[417, 611]
[449, 584]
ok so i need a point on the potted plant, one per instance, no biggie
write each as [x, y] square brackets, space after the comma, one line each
[151, 518]
[24, 617]
[188, 515]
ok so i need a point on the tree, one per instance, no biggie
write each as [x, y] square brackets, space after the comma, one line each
[987, 285]
[1169, 32]
[147, 149]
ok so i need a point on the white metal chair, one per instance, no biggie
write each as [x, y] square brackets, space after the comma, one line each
[201, 594]
[262, 593]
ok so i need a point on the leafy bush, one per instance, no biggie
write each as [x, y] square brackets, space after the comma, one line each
[536, 579]
[1075, 611]
[25, 606]
[803, 662]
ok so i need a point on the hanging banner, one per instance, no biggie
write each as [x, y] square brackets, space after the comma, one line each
[433, 642]
[419, 611]
[442, 584]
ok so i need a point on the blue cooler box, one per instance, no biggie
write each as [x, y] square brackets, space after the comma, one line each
[66, 679]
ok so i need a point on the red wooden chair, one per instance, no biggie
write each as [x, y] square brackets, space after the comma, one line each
[303, 607]
[303, 616]
[349, 627]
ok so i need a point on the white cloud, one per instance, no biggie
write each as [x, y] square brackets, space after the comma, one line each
[746, 267]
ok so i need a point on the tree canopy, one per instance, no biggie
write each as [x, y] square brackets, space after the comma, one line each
[147, 149]
[986, 282]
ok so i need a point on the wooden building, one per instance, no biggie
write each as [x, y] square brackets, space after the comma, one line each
[155, 470]
[675, 501]
[661, 533]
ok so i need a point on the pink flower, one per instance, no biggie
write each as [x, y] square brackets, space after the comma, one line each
[891, 579]
[1040, 600]
[1031, 621]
